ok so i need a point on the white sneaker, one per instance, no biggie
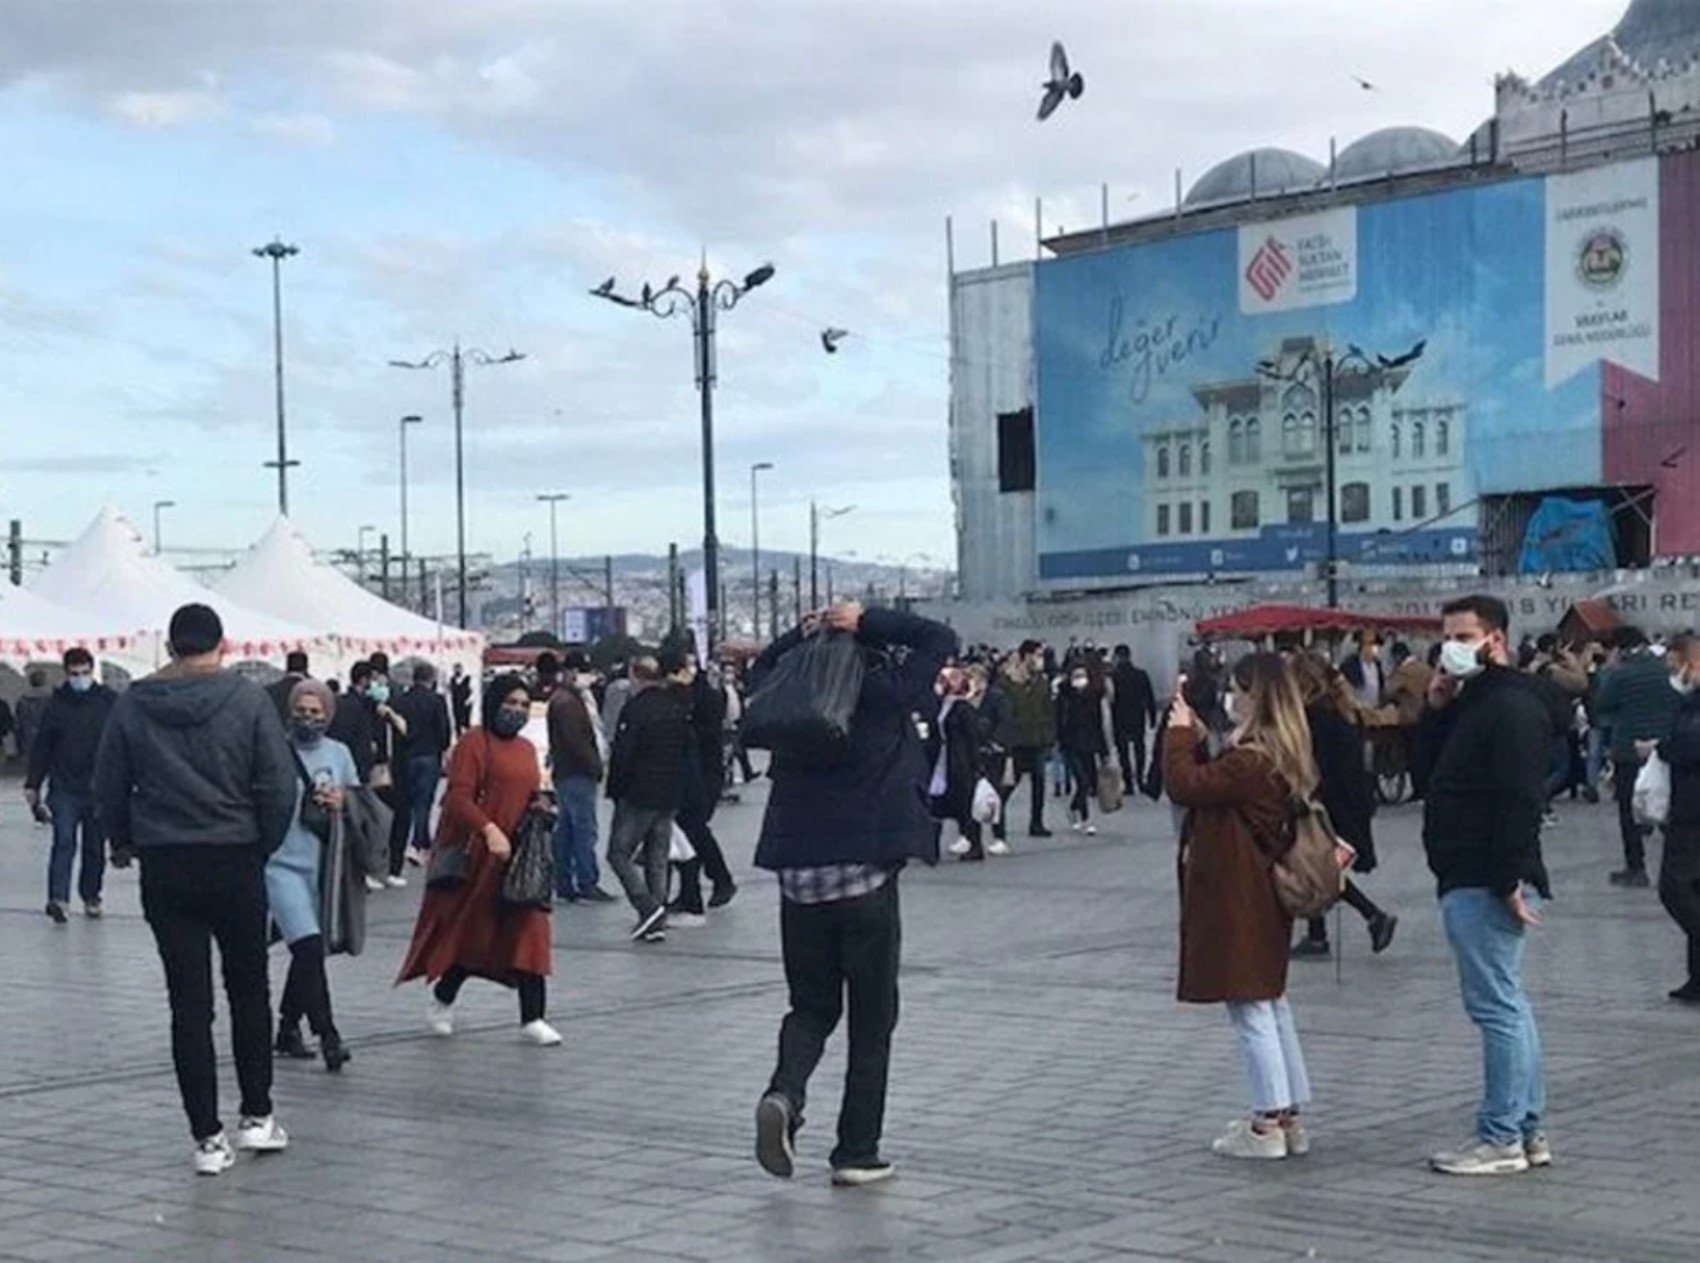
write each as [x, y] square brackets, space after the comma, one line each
[540, 1033]
[959, 847]
[997, 846]
[686, 920]
[440, 1018]
[1091, 830]
[1242, 1140]
[1074, 826]
[1298, 1139]
[375, 884]
[415, 856]
[261, 1135]
[214, 1156]
[1538, 1150]
[396, 882]
[1480, 1157]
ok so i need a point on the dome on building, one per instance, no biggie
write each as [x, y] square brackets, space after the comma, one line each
[1259, 173]
[1395, 149]
[1649, 32]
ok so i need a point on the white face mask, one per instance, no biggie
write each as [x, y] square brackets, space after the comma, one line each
[1462, 658]
[1231, 706]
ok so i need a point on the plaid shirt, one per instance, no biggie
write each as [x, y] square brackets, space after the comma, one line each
[832, 884]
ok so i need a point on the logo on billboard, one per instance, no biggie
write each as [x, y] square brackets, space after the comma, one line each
[1600, 260]
[1269, 269]
[1306, 261]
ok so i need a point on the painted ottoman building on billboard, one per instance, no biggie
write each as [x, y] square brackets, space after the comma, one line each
[1464, 342]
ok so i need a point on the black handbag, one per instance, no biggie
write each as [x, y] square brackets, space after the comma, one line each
[529, 880]
[315, 816]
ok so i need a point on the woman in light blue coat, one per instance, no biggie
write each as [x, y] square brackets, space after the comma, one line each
[292, 874]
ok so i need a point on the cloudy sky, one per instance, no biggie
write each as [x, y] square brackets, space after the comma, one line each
[470, 169]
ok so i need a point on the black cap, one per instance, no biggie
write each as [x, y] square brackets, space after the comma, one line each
[195, 630]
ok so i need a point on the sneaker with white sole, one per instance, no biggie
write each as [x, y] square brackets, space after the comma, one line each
[776, 1136]
[540, 1033]
[1091, 830]
[214, 1156]
[648, 924]
[416, 857]
[1243, 1140]
[1481, 1157]
[997, 846]
[261, 1135]
[960, 847]
[375, 884]
[862, 1172]
[686, 920]
[1298, 1139]
[1538, 1150]
[395, 881]
[440, 1018]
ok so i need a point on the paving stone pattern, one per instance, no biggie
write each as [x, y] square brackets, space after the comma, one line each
[1050, 1100]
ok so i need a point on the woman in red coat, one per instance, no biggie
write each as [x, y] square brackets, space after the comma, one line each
[466, 930]
[1234, 932]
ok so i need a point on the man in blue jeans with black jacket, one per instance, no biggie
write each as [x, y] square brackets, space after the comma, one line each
[63, 756]
[1483, 744]
[837, 836]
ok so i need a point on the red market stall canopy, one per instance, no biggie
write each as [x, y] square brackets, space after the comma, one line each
[1259, 621]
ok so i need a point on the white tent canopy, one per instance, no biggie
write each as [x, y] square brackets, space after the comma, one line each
[34, 629]
[280, 576]
[108, 574]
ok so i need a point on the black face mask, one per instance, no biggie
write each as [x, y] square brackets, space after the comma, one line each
[307, 731]
[507, 721]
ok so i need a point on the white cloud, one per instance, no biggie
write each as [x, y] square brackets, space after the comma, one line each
[159, 110]
[296, 129]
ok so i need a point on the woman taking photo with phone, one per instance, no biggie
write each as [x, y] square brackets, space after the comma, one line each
[1234, 932]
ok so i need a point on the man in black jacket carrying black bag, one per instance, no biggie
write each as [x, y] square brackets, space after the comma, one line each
[837, 833]
[1484, 746]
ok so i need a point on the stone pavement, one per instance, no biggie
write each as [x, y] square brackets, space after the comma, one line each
[1049, 1099]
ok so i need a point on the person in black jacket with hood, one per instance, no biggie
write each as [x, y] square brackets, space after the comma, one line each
[1679, 870]
[63, 756]
[646, 780]
[1484, 744]
[196, 778]
[837, 836]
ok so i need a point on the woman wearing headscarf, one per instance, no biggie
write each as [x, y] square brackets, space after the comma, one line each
[465, 929]
[294, 871]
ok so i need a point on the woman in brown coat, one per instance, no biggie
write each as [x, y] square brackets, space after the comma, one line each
[1234, 932]
[466, 930]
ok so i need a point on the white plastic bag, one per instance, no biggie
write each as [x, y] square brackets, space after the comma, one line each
[987, 805]
[679, 848]
[1651, 802]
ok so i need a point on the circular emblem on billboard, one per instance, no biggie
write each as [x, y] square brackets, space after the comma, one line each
[1601, 259]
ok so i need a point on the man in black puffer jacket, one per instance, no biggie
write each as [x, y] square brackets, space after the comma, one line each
[196, 778]
[646, 781]
[837, 837]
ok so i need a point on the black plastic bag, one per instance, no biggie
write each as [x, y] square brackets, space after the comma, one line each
[802, 711]
[530, 877]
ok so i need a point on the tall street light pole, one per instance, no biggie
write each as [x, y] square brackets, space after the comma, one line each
[277, 252]
[816, 513]
[755, 546]
[402, 426]
[457, 360]
[1327, 372]
[157, 506]
[553, 500]
[360, 551]
[710, 297]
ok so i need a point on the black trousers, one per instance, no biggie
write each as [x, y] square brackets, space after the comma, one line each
[830, 950]
[1083, 772]
[533, 991]
[693, 823]
[306, 991]
[1634, 833]
[1362, 904]
[192, 895]
[1029, 763]
[1133, 773]
[1679, 887]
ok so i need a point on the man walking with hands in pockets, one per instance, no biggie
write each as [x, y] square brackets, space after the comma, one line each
[1484, 744]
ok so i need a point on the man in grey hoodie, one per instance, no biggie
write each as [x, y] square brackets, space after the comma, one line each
[195, 777]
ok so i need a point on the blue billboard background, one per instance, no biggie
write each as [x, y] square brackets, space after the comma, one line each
[1125, 337]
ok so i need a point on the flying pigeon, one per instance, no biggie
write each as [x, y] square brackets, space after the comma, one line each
[830, 338]
[1365, 84]
[1674, 459]
[604, 289]
[1061, 83]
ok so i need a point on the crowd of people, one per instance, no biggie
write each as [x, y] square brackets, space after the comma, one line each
[256, 817]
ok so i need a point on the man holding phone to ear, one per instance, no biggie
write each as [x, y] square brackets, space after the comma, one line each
[1483, 746]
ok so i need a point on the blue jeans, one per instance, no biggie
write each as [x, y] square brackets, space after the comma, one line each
[1488, 943]
[73, 812]
[1274, 1063]
[575, 836]
[422, 774]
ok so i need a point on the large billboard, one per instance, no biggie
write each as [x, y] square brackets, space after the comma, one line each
[1182, 420]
